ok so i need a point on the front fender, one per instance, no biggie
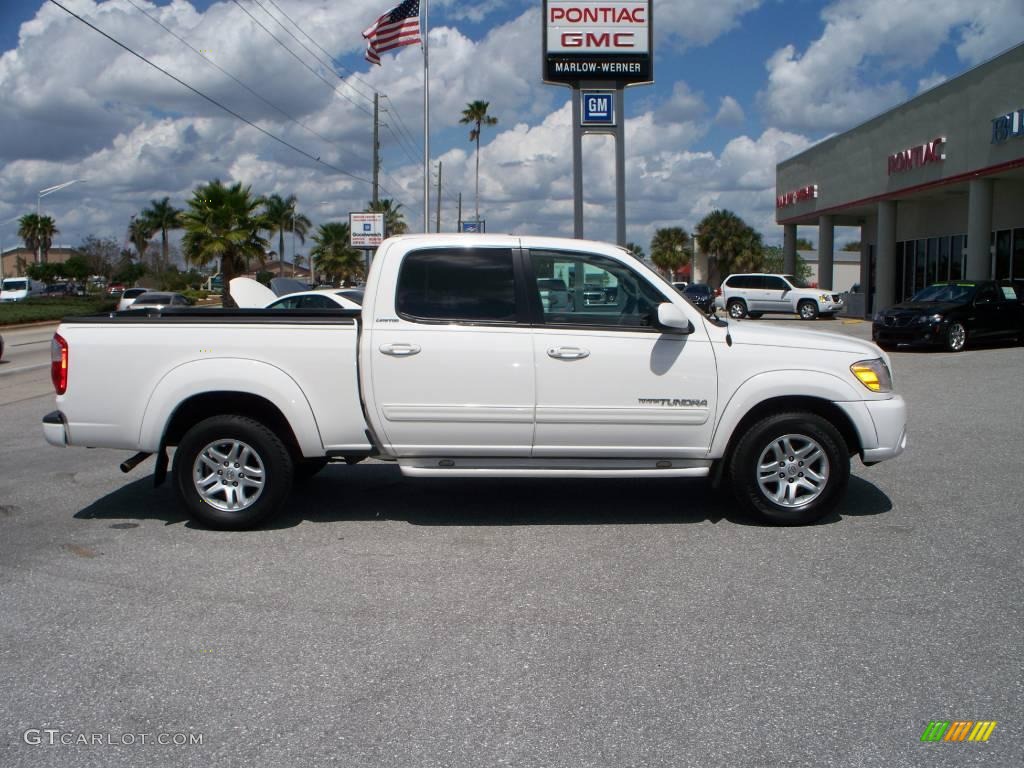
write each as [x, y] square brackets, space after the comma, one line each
[229, 375]
[791, 383]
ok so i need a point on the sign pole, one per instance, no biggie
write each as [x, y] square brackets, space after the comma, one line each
[620, 165]
[577, 164]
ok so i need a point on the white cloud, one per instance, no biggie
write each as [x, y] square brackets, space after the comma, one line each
[729, 112]
[853, 70]
[685, 23]
[934, 79]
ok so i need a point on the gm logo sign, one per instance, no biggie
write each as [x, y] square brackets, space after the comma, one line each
[598, 108]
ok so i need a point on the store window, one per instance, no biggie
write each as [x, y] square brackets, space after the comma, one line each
[1018, 254]
[1002, 255]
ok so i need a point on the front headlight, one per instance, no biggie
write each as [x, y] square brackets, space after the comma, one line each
[926, 319]
[879, 317]
[824, 298]
[873, 374]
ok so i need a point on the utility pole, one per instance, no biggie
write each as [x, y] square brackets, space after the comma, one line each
[460, 211]
[376, 146]
[437, 223]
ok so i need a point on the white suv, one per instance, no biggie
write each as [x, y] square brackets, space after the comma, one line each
[755, 294]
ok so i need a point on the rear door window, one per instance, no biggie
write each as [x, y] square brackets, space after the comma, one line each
[474, 285]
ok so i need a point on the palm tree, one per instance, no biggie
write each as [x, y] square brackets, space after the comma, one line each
[670, 249]
[37, 232]
[162, 216]
[332, 253]
[281, 217]
[476, 113]
[140, 232]
[731, 244]
[637, 250]
[394, 219]
[224, 223]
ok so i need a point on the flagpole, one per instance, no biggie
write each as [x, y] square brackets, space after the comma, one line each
[426, 117]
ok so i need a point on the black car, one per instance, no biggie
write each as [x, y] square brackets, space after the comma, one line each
[950, 315]
[701, 295]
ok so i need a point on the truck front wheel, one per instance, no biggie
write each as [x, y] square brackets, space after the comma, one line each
[790, 468]
[232, 472]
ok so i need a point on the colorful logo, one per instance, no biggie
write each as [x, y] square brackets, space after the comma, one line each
[958, 730]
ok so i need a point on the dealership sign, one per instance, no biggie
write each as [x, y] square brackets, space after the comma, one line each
[366, 230]
[1007, 126]
[609, 40]
[810, 192]
[917, 157]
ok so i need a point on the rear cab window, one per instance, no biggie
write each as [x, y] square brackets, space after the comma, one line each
[460, 285]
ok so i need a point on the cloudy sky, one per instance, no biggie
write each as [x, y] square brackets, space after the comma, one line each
[740, 85]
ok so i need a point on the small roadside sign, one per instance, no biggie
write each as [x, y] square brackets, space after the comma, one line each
[598, 108]
[366, 230]
[474, 226]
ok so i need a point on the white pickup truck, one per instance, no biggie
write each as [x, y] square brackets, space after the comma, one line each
[455, 367]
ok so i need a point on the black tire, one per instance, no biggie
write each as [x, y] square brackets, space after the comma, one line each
[808, 310]
[956, 337]
[259, 451]
[307, 468]
[737, 309]
[807, 434]
[754, 315]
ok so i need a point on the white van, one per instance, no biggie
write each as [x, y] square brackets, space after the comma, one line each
[18, 288]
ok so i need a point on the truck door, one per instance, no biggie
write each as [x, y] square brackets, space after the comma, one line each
[451, 354]
[609, 383]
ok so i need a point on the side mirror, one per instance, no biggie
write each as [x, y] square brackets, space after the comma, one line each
[672, 318]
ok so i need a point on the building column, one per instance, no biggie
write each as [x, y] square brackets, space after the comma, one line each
[789, 249]
[979, 230]
[885, 256]
[826, 239]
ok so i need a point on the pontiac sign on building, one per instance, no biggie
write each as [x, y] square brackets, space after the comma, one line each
[594, 40]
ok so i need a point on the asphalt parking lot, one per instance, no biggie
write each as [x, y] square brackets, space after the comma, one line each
[391, 622]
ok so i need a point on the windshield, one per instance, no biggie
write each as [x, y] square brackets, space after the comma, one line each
[14, 285]
[946, 292]
[352, 294]
[797, 281]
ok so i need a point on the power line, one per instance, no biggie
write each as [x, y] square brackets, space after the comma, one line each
[304, 153]
[299, 59]
[224, 71]
[328, 55]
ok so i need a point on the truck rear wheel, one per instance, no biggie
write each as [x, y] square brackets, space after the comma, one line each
[737, 309]
[790, 468]
[232, 472]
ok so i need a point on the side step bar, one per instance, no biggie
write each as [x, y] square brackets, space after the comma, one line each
[470, 467]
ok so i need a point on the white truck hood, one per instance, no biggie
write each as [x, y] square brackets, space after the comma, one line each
[752, 332]
[249, 293]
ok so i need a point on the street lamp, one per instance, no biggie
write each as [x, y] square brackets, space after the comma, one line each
[39, 205]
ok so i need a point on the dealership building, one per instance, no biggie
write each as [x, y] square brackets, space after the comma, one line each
[935, 185]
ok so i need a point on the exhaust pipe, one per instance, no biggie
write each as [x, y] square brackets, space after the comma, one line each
[134, 461]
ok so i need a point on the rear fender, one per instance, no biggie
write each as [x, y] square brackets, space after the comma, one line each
[230, 375]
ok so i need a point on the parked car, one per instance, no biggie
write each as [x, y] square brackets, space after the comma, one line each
[680, 285]
[20, 288]
[453, 368]
[701, 295]
[128, 297]
[753, 295]
[252, 294]
[58, 291]
[159, 300]
[115, 289]
[951, 315]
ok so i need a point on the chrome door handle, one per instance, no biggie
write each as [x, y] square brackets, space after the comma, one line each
[568, 353]
[400, 349]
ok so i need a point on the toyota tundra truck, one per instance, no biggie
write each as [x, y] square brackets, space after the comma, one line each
[455, 366]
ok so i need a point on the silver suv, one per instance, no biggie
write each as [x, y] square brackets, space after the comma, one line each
[753, 295]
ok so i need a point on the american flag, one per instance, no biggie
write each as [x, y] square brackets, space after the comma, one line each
[399, 26]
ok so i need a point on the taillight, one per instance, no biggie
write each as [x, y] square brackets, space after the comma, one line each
[718, 291]
[59, 363]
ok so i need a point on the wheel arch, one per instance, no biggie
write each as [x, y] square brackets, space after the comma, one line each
[231, 387]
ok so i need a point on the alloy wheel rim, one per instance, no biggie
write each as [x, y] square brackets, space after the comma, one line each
[793, 470]
[806, 311]
[229, 475]
[736, 310]
[957, 336]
